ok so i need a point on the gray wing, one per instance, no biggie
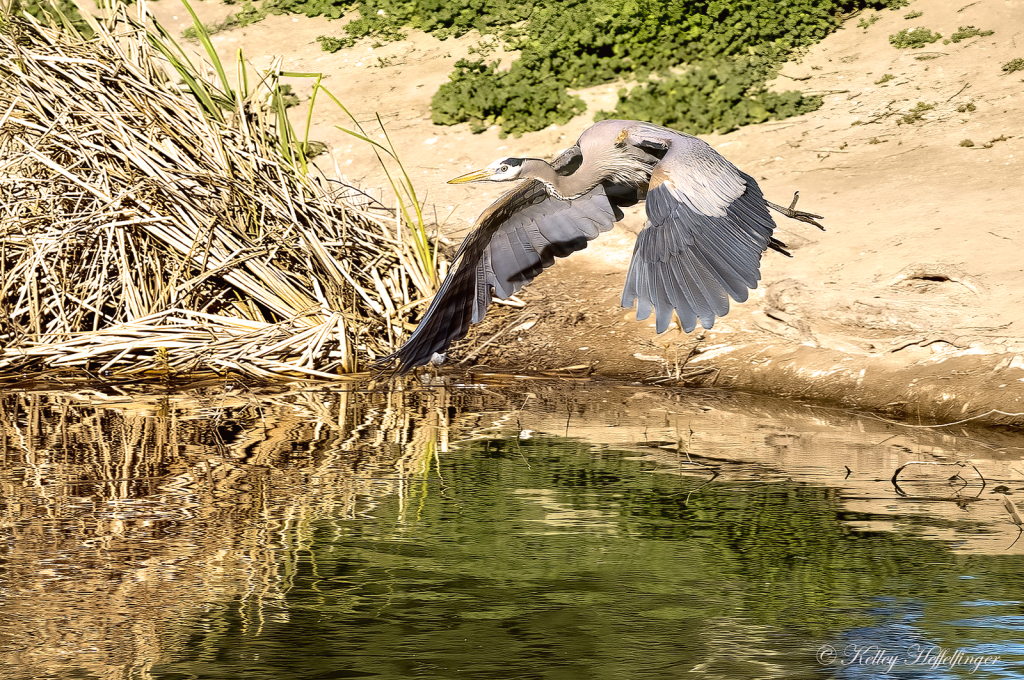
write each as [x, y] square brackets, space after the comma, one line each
[519, 236]
[708, 225]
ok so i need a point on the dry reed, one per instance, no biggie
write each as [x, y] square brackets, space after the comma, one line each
[155, 219]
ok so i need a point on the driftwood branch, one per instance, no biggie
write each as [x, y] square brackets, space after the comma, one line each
[958, 463]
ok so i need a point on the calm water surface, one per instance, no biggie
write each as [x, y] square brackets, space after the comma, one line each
[520, 532]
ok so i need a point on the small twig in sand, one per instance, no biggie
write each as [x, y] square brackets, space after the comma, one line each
[966, 85]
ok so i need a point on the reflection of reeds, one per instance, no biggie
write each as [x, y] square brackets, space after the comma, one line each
[119, 514]
[152, 226]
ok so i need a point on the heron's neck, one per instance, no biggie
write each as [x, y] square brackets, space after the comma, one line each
[566, 187]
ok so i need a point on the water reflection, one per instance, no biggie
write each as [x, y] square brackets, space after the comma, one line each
[122, 513]
[442, 532]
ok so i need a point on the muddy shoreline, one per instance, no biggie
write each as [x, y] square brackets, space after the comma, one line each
[573, 326]
[981, 390]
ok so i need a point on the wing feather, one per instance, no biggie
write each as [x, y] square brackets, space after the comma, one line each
[707, 227]
[663, 306]
[724, 273]
[516, 238]
[684, 310]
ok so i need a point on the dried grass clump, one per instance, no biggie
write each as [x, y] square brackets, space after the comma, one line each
[151, 225]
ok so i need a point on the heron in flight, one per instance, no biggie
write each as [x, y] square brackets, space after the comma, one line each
[707, 226]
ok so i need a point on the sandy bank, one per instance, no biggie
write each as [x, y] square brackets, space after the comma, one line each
[909, 304]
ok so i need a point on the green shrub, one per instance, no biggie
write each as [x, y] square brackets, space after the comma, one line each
[568, 44]
[288, 96]
[249, 14]
[918, 37]
[710, 96]
[866, 23]
[884, 79]
[479, 94]
[69, 9]
[915, 114]
[965, 32]
[311, 8]
[1014, 65]
[376, 26]
[913, 15]
[329, 44]
[588, 42]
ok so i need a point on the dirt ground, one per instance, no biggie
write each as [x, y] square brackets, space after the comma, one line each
[908, 304]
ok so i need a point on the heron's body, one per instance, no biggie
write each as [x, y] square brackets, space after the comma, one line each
[708, 225]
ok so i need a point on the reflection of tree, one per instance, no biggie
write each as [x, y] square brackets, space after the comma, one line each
[118, 513]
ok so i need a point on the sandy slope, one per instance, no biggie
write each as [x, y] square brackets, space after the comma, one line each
[922, 264]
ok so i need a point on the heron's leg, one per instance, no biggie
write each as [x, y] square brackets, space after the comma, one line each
[796, 214]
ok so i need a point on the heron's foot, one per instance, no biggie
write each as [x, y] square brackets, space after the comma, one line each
[779, 247]
[799, 215]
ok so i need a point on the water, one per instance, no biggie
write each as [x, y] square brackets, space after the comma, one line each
[546, 531]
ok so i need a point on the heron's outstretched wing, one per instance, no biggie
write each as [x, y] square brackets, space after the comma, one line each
[707, 227]
[515, 240]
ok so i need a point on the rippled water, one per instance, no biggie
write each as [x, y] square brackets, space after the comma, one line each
[539, 530]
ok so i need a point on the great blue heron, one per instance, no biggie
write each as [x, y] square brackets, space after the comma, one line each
[707, 225]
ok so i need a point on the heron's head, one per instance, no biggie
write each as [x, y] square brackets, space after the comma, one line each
[501, 170]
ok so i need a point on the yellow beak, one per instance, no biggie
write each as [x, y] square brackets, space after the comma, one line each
[475, 176]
